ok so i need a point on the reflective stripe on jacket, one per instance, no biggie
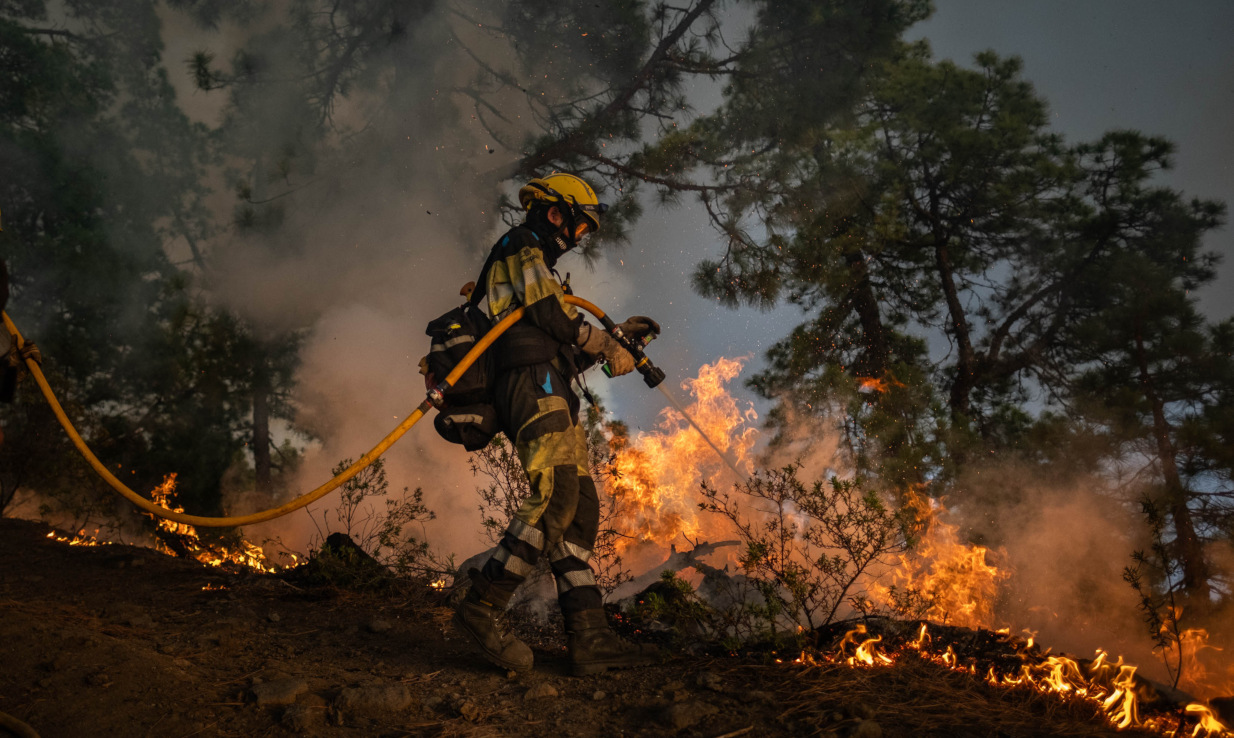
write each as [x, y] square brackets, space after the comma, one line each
[520, 277]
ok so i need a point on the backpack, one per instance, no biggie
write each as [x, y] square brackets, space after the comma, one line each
[467, 416]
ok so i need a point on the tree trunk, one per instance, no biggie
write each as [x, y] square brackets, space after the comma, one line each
[1190, 549]
[966, 360]
[877, 354]
[261, 427]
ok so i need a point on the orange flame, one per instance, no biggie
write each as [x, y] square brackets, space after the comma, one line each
[1109, 686]
[80, 539]
[245, 554]
[871, 384]
[656, 476]
[955, 577]
[1200, 675]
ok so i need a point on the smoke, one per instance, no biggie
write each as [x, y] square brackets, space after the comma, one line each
[359, 237]
[1065, 541]
[1059, 538]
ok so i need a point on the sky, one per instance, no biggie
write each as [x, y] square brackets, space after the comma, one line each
[1161, 68]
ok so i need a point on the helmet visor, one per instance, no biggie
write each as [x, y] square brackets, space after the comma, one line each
[590, 222]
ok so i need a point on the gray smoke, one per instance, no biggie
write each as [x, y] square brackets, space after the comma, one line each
[379, 226]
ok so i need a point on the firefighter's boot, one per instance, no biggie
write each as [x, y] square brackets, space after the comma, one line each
[485, 625]
[595, 648]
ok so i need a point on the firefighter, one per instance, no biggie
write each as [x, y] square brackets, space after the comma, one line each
[535, 361]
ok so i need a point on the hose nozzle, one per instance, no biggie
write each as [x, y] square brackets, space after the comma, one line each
[652, 374]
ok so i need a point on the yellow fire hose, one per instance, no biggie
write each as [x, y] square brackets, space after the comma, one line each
[304, 499]
[20, 729]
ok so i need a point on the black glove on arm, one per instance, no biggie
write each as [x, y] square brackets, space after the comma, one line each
[637, 326]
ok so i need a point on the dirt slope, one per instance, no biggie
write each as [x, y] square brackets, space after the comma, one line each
[121, 641]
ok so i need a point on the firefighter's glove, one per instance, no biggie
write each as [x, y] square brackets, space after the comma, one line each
[29, 351]
[637, 326]
[598, 344]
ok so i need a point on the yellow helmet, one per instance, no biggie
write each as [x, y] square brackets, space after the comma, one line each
[559, 189]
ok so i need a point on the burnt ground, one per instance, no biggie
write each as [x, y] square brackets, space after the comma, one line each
[123, 641]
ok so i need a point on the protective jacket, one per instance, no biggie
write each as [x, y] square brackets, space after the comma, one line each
[538, 411]
[521, 275]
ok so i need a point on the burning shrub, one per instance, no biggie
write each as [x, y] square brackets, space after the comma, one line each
[942, 577]
[807, 546]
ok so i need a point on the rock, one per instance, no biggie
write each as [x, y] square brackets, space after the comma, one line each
[274, 617]
[182, 663]
[279, 691]
[98, 679]
[379, 626]
[374, 699]
[469, 710]
[710, 680]
[866, 729]
[541, 690]
[681, 715]
[298, 718]
[598, 695]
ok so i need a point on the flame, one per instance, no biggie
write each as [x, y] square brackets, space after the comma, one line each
[878, 385]
[245, 554]
[871, 384]
[1207, 723]
[80, 539]
[1200, 676]
[1109, 686]
[656, 475]
[439, 584]
[954, 576]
